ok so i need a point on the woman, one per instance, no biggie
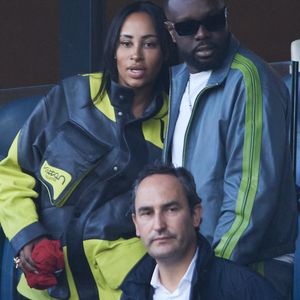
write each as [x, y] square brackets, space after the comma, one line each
[70, 169]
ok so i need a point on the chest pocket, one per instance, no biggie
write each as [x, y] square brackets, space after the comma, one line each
[68, 159]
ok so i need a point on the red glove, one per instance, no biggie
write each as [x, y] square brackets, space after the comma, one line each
[40, 281]
[48, 258]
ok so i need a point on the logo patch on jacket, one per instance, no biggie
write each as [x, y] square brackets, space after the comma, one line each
[57, 178]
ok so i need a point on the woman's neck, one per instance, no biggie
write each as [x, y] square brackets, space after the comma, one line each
[141, 101]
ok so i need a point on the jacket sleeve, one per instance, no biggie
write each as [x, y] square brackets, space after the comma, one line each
[258, 181]
[18, 211]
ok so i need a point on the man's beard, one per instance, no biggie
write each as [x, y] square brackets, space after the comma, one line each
[192, 61]
[199, 66]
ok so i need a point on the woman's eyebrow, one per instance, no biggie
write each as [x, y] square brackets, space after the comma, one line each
[143, 37]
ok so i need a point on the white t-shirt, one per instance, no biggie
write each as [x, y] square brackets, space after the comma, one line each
[195, 84]
[184, 287]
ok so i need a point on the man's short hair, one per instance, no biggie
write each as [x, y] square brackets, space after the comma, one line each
[183, 175]
[165, 4]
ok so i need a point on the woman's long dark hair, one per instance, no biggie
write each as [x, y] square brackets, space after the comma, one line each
[109, 64]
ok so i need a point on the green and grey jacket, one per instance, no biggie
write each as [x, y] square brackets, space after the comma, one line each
[68, 175]
[237, 147]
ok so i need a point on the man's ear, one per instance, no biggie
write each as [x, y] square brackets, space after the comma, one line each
[172, 33]
[133, 216]
[197, 215]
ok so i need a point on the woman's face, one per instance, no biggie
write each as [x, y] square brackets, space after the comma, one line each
[139, 55]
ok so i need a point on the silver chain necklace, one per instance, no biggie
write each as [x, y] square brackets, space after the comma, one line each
[189, 94]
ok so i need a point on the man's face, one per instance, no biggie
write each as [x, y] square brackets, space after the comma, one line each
[164, 220]
[205, 49]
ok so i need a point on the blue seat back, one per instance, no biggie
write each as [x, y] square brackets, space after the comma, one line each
[12, 117]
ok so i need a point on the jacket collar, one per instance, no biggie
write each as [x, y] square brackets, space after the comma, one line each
[219, 75]
[203, 262]
[180, 73]
[137, 282]
[122, 99]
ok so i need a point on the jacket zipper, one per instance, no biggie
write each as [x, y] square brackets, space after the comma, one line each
[191, 119]
[165, 146]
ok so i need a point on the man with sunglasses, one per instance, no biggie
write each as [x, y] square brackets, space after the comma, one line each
[228, 126]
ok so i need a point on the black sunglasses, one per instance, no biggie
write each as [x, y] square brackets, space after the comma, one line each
[211, 23]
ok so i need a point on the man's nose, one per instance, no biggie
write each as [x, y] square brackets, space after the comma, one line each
[159, 222]
[202, 33]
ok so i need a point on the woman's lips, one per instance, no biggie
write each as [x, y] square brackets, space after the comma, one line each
[136, 73]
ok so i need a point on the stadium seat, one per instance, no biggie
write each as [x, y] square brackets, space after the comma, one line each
[12, 117]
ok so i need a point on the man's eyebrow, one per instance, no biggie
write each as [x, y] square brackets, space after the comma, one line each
[164, 206]
[171, 203]
[144, 208]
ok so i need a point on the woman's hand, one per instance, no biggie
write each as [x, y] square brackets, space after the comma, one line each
[26, 263]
